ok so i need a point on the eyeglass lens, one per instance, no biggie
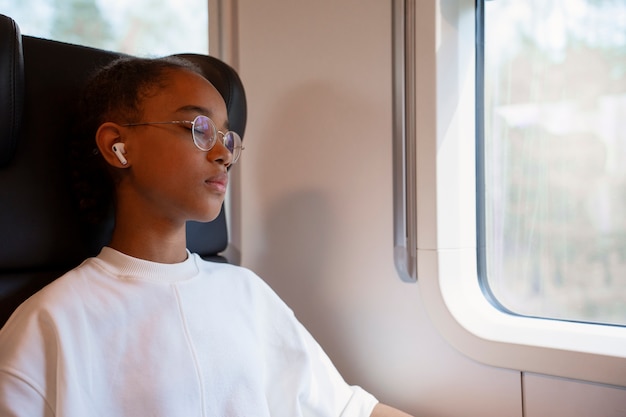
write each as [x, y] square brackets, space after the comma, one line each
[230, 141]
[204, 132]
[205, 135]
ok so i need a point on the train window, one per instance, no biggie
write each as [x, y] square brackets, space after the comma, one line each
[142, 27]
[551, 151]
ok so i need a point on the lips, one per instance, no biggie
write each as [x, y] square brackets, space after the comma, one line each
[218, 182]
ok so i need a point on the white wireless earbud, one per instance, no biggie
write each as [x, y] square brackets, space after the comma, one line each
[119, 151]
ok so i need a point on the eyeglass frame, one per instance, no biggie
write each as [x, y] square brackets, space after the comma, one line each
[236, 153]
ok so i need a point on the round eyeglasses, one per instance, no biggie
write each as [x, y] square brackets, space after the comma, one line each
[204, 134]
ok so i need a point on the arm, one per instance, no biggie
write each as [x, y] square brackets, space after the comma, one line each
[20, 399]
[382, 410]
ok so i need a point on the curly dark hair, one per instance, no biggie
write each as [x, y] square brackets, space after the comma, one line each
[114, 93]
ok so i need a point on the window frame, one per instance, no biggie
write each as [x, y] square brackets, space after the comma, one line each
[447, 221]
[481, 191]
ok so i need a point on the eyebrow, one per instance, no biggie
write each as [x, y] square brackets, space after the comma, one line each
[196, 109]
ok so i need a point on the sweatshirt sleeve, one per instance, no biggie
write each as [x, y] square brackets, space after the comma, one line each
[18, 398]
[27, 362]
[302, 379]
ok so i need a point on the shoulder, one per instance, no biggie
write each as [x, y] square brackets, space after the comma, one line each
[53, 299]
[33, 328]
[229, 273]
[239, 282]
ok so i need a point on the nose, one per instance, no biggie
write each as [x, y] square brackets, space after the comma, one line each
[220, 154]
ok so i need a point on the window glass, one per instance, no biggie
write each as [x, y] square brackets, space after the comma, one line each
[554, 158]
[141, 27]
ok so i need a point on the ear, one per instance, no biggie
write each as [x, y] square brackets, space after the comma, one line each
[109, 134]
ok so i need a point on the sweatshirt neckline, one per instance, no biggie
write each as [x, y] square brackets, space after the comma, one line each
[127, 267]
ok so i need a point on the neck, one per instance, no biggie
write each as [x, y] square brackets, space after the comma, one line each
[163, 243]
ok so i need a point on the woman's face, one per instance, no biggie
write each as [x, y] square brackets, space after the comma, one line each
[168, 176]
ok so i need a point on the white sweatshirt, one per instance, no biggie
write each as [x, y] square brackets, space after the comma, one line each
[124, 337]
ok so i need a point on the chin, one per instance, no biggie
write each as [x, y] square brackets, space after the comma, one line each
[205, 218]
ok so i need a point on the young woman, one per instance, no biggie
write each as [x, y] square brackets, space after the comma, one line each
[147, 328]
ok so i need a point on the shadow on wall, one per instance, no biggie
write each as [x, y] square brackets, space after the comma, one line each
[297, 234]
[303, 149]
